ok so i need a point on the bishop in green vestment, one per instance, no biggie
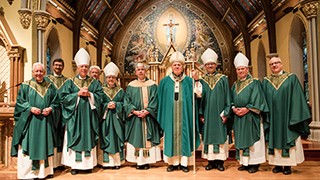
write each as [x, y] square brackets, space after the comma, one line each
[81, 98]
[142, 131]
[33, 140]
[111, 152]
[57, 80]
[248, 103]
[213, 111]
[175, 115]
[288, 120]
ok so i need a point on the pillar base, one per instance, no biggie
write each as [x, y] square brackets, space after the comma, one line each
[314, 131]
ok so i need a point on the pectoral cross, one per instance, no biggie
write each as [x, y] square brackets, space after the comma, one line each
[171, 26]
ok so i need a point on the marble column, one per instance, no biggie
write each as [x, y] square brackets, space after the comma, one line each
[309, 9]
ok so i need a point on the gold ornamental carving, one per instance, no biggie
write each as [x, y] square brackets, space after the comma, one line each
[42, 19]
[309, 9]
[25, 17]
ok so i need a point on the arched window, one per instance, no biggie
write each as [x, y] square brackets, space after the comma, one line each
[53, 48]
[298, 53]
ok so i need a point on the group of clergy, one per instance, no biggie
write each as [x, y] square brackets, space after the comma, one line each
[79, 123]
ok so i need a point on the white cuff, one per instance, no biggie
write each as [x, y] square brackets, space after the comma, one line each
[91, 101]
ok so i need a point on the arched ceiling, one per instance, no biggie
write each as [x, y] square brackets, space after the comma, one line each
[98, 21]
[96, 9]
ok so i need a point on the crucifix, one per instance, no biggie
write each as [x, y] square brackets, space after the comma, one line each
[171, 26]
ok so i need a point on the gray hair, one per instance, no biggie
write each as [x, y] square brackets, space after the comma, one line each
[146, 67]
[37, 64]
[95, 67]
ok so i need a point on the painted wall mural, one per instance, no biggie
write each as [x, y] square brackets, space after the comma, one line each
[168, 23]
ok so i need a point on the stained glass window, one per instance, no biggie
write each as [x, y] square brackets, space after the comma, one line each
[48, 61]
[305, 66]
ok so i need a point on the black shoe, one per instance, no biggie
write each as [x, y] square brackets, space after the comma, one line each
[184, 169]
[49, 176]
[61, 168]
[209, 166]
[74, 171]
[277, 169]
[146, 166]
[287, 170]
[88, 171]
[253, 168]
[116, 167]
[171, 168]
[220, 166]
[243, 168]
[139, 167]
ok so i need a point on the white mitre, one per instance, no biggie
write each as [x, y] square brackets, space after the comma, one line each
[209, 56]
[82, 57]
[240, 60]
[177, 57]
[111, 69]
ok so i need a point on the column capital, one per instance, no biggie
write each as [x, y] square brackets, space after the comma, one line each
[309, 8]
[16, 52]
[42, 19]
[25, 17]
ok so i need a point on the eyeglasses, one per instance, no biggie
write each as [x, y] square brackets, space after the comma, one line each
[275, 63]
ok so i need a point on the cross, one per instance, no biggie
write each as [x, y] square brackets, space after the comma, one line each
[171, 25]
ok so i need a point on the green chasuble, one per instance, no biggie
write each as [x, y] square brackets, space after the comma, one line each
[289, 112]
[81, 117]
[215, 100]
[112, 124]
[34, 132]
[146, 132]
[247, 93]
[57, 82]
[176, 117]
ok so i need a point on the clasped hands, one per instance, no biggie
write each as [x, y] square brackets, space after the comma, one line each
[141, 114]
[111, 105]
[44, 112]
[84, 92]
[240, 111]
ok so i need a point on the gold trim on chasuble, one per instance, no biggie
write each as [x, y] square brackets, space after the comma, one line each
[241, 85]
[278, 80]
[40, 88]
[144, 100]
[58, 82]
[82, 82]
[212, 80]
[136, 83]
[177, 121]
[111, 92]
